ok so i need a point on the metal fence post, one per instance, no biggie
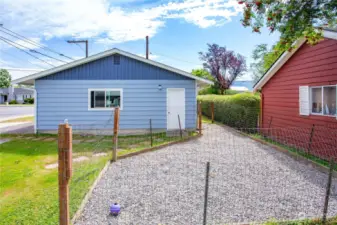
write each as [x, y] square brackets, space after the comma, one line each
[311, 136]
[181, 132]
[64, 170]
[151, 138]
[328, 190]
[269, 126]
[206, 193]
[115, 135]
[199, 118]
[212, 111]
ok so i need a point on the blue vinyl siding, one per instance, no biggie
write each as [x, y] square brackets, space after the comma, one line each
[142, 100]
[104, 69]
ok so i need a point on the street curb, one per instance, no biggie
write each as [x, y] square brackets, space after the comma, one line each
[15, 117]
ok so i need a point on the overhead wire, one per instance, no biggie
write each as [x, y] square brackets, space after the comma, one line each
[19, 36]
[22, 60]
[34, 51]
[11, 43]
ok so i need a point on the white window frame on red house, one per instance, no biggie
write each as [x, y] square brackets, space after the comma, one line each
[322, 93]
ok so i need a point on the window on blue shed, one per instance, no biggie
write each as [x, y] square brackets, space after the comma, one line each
[105, 99]
[117, 59]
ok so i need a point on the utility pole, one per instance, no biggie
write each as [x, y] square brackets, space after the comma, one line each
[80, 41]
[147, 47]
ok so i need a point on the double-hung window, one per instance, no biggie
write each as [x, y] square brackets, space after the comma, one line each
[323, 100]
[105, 99]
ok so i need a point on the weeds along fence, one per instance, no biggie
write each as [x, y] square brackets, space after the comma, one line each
[313, 140]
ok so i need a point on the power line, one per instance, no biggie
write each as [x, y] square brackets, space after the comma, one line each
[32, 42]
[20, 59]
[80, 47]
[177, 59]
[9, 42]
[34, 51]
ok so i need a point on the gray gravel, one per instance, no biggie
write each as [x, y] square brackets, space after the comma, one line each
[249, 182]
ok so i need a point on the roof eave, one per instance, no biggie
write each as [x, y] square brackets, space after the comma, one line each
[277, 65]
[31, 78]
[285, 57]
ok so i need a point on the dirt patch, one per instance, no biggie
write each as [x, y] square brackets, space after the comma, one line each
[78, 159]
[100, 154]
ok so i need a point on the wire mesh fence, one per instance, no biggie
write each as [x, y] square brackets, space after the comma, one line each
[248, 183]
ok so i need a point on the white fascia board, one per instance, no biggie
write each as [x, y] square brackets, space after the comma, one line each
[30, 79]
[330, 34]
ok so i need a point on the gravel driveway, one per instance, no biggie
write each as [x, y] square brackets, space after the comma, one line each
[248, 182]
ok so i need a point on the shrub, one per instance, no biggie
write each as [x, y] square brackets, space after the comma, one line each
[211, 90]
[240, 110]
[12, 102]
[29, 101]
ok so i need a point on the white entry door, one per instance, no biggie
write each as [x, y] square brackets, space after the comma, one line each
[175, 106]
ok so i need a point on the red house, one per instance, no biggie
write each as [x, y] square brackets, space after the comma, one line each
[298, 97]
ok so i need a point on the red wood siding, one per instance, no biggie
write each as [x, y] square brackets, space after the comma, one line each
[309, 66]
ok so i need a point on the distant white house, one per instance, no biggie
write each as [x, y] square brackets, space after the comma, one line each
[18, 94]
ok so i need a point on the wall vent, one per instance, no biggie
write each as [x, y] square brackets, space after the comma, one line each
[117, 59]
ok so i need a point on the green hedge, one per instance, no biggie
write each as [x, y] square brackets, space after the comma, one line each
[29, 100]
[240, 110]
[211, 90]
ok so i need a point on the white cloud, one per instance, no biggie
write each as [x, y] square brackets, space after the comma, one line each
[108, 23]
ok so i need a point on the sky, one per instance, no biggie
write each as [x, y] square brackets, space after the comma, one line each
[178, 30]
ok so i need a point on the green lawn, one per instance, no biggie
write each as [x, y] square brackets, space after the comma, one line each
[29, 191]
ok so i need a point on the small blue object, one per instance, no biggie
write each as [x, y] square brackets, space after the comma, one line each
[115, 209]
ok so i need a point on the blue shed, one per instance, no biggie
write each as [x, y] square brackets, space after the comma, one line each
[86, 92]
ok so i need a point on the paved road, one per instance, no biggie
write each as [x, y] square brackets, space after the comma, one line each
[17, 128]
[249, 181]
[15, 111]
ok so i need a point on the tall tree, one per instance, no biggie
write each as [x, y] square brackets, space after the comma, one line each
[202, 73]
[263, 58]
[294, 19]
[5, 78]
[224, 65]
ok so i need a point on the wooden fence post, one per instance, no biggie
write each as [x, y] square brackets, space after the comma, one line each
[199, 118]
[64, 170]
[212, 111]
[115, 135]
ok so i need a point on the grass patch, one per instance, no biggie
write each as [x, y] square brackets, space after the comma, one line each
[318, 221]
[29, 192]
[296, 151]
[21, 119]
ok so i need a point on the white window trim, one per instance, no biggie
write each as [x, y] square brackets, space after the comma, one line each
[105, 90]
[322, 90]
